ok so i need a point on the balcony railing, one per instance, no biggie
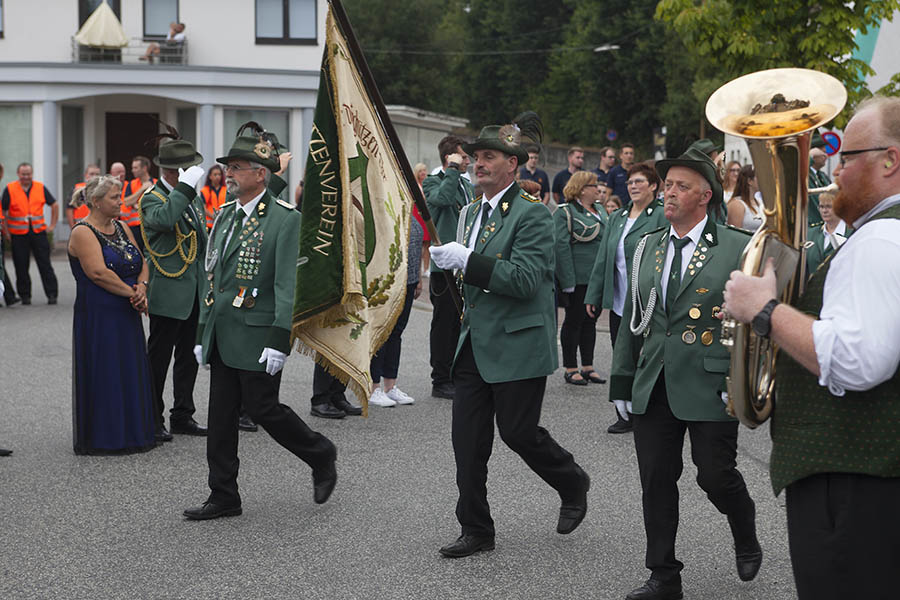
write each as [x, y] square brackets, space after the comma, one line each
[135, 52]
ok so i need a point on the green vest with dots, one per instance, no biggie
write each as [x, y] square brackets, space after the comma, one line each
[814, 431]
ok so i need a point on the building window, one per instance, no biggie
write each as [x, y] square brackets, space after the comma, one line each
[87, 7]
[158, 15]
[285, 21]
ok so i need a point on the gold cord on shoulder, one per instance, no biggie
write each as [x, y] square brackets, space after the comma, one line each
[188, 257]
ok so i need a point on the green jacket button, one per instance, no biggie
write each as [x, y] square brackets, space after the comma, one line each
[668, 333]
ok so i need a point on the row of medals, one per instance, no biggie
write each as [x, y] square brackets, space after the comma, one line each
[242, 300]
[707, 337]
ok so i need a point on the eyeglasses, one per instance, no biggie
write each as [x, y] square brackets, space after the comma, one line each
[590, 185]
[234, 168]
[844, 155]
[735, 170]
[635, 181]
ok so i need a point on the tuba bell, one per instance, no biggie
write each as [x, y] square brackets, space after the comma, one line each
[775, 111]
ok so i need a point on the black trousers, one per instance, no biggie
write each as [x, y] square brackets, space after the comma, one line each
[9, 292]
[614, 322]
[578, 332]
[326, 387]
[517, 407]
[257, 391]
[166, 335]
[658, 440]
[444, 329]
[844, 534]
[23, 246]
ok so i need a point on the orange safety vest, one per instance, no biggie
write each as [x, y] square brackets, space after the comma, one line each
[213, 202]
[131, 215]
[25, 209]
[80, 212]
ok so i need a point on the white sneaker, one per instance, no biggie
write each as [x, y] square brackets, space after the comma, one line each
[399, 396]
[379, 398]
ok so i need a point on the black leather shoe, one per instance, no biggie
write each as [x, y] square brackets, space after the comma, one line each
[189, 427]
[620, 426]
[324, 480]
[26, 301]
[447, 391]
[571, 513]
[748, 563]
[655, 589]
[14, 300]
[162, 435]
[209, 510]
[5, 452]
[467, 545]
[344, 405]
[326, 411]
[245, 423]
[51, 300]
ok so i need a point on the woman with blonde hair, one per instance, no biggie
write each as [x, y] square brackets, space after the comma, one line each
[111, 389]
[421, 172]
[579, 225]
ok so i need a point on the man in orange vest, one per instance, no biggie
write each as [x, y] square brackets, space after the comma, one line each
[74, 213]
[23, 205]
[132, 193]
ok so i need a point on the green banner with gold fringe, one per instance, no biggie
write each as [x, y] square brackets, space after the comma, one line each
[351, 270]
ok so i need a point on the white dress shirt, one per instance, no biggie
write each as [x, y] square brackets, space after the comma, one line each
[686, 253]
[856, 335]
[840, 230]
[488, 204]
[620, 287]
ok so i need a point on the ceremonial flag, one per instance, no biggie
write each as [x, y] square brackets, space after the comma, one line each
[354, 235]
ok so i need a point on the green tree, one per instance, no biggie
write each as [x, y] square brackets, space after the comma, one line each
[742, 36]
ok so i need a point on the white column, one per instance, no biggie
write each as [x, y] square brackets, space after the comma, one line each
[206, 134]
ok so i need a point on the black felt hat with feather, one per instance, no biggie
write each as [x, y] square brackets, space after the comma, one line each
[174, 152]
[509, 138]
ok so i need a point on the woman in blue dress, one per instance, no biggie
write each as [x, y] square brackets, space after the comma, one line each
[111, 385]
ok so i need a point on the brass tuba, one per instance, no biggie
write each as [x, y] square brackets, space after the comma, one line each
[779, 145]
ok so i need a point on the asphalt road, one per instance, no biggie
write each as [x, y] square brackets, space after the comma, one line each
[111, 527]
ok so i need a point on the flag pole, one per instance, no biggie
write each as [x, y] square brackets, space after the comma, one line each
[380, 109]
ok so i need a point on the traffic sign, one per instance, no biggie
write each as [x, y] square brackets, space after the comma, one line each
[612, 134]
[832, 143]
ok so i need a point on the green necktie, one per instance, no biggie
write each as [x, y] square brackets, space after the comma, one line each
[675, 272]
[235, 229]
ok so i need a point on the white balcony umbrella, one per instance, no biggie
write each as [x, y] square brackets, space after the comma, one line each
[102, 30]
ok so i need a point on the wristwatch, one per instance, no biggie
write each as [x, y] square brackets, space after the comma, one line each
[762, 322]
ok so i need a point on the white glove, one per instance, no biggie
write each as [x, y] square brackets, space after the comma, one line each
[623, 407]
[451, 255]
[273, 358]
[198, 354]
[568, 290]
[2, 288]
[191, 176]
[725, 398]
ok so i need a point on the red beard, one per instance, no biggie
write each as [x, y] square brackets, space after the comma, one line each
[851, 205]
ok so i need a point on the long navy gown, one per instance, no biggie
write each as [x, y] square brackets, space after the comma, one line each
[111, 385]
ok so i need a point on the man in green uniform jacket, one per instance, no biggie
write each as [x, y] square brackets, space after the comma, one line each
[173, 228]
[507, 343]
[446, 192]
[245, 328]
[669, 366]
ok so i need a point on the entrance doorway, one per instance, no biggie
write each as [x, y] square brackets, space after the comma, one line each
[126, 137]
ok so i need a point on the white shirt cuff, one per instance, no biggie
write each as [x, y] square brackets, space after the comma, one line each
[823, 341]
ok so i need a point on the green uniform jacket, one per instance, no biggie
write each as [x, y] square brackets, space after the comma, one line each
[816, 253]
[601, 285]
[574, 256]
[263, 259]
[174, 227]
[445, 198]
[694, 372]
[508, 292]
[816, 179]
